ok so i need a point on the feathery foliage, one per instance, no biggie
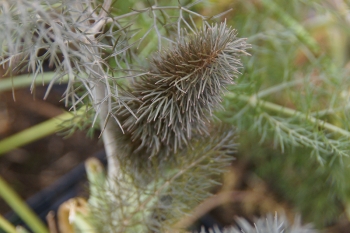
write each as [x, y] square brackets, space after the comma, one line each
[270, 224]
[291, 105]
[171, 193]
[61, 34]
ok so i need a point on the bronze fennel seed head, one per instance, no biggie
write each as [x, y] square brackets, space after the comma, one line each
[183, 88]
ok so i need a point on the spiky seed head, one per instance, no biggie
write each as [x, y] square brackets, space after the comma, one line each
[183, 88]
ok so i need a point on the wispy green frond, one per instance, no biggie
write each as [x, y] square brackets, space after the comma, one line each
[270, 224]
[171, 191]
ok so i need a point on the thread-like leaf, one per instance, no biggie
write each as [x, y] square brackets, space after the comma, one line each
[270, 224]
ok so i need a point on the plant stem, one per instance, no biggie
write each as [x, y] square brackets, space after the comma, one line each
[278, 88]
[293, 24]
[152, 8]
[6, 225]
[103, 13]
[108, 127]
[255, 101]
[21, 208]
[25, 81]
[36, 132]
[102, 104]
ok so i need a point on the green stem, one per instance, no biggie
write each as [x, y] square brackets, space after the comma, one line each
[27, 80]
[255, 101]
[6, 225]
[37, 132]
[21, 208]
[292, 24]
[330, 110]
[278, 88]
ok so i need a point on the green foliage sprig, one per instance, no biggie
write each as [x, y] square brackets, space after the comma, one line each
[270, 224]
[172, 192]
[291, 106]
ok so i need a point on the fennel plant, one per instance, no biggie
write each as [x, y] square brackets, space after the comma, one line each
[164, 84]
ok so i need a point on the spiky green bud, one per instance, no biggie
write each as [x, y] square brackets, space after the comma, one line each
[183, 88]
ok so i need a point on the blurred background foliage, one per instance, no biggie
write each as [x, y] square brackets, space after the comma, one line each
[295, 82]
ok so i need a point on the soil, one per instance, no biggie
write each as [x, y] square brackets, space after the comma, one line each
[33, 167]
